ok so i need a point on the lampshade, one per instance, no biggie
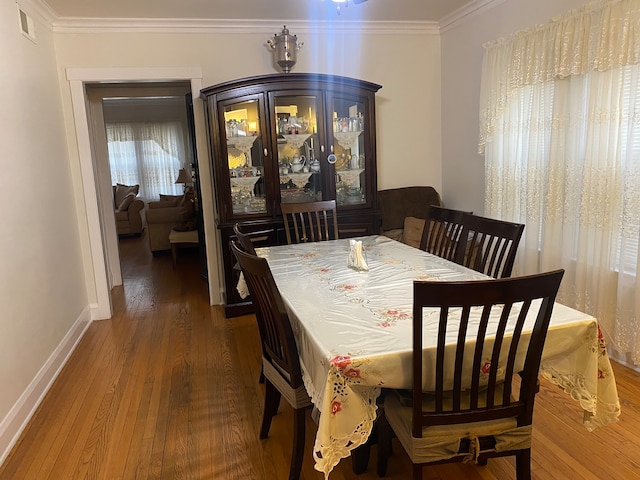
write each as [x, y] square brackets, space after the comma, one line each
[183, 176]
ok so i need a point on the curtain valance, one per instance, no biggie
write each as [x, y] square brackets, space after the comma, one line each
[165, 134]
[597, 37]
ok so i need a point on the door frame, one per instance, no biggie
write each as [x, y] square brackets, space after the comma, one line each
[100, 280]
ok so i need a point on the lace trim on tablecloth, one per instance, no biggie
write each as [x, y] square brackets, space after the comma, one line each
[596, 412]
[308, 384]
[328, 456]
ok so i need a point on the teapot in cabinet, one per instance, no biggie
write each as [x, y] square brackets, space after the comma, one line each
[298, 163]
[315, 165]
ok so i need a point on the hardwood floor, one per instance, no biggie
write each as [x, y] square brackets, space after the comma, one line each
[169, 389]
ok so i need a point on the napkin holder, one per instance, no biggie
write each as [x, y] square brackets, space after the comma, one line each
[356, 258]
[241, 287]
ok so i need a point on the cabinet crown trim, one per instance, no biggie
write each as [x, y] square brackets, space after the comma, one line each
[320, 79]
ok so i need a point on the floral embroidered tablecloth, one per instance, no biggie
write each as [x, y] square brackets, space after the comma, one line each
[353, 330]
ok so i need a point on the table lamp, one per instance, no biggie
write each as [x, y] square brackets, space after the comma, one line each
[184, 178]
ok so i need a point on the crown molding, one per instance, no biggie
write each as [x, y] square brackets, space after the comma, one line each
[262, 27]
[464, 13]
[251, 26]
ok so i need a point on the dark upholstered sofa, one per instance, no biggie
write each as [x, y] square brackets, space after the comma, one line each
[403, 205]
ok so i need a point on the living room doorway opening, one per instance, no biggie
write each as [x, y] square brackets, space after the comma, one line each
[127, 121]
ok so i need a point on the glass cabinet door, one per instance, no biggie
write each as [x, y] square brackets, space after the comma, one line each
[245, 158]
[348, 150]
[298, 153]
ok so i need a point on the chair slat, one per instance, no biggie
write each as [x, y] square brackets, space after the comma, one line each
[310, 221]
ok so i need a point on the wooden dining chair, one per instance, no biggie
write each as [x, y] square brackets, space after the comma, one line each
[475, 409]
[280, 359]
[490, 245]
[244, 239]
[442, 230]
[310, 221]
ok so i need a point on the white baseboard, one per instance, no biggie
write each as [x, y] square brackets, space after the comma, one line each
[18, 417]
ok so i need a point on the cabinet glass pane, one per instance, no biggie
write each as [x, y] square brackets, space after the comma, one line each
[298, 148]
[348, 147]
[245, 159]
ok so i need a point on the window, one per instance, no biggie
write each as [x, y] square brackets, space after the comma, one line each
[560, 131]
[147, 153]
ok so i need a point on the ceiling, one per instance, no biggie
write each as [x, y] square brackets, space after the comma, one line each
[281, 10]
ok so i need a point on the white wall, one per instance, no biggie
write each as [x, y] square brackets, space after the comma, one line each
[42, 288]
[462, 51]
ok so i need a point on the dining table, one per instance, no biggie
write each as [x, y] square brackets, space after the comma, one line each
[353, 329]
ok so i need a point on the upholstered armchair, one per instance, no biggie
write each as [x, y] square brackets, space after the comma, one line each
[128, 209]
[162, 216]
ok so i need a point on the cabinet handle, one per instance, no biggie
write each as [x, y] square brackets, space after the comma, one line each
[322, 148]
[331, 148]
[266, 153]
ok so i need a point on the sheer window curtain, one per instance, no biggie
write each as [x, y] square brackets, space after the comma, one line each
[560, 131]
[147, 153]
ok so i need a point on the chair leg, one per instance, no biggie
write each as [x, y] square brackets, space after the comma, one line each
[523, 464]
[298, 443]
[417, 471]
[360, 458]
[271, 404]
[384, 444]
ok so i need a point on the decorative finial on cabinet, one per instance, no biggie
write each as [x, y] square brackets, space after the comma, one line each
[286, 47]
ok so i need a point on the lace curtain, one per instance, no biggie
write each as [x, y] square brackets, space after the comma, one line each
[560, 131]
[147, 153]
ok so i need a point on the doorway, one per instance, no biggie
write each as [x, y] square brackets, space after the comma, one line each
[101, 236]
[141, 104]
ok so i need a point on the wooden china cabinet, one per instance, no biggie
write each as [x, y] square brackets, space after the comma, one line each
[294, 137]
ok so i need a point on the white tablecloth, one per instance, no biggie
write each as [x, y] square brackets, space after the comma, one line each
[354, 329]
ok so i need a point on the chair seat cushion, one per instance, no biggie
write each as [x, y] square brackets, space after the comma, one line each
[442, 442]
[297, 398]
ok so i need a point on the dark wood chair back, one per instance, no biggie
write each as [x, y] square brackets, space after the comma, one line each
[244, 240]
[490, 245]
[278, 342]
[310, 221]
[475, 410]
[442, 230]
[476, 368]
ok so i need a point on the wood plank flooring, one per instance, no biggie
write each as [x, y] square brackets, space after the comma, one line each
[168, 389]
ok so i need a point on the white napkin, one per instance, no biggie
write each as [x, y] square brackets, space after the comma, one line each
[356, 258]
[241, 287]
